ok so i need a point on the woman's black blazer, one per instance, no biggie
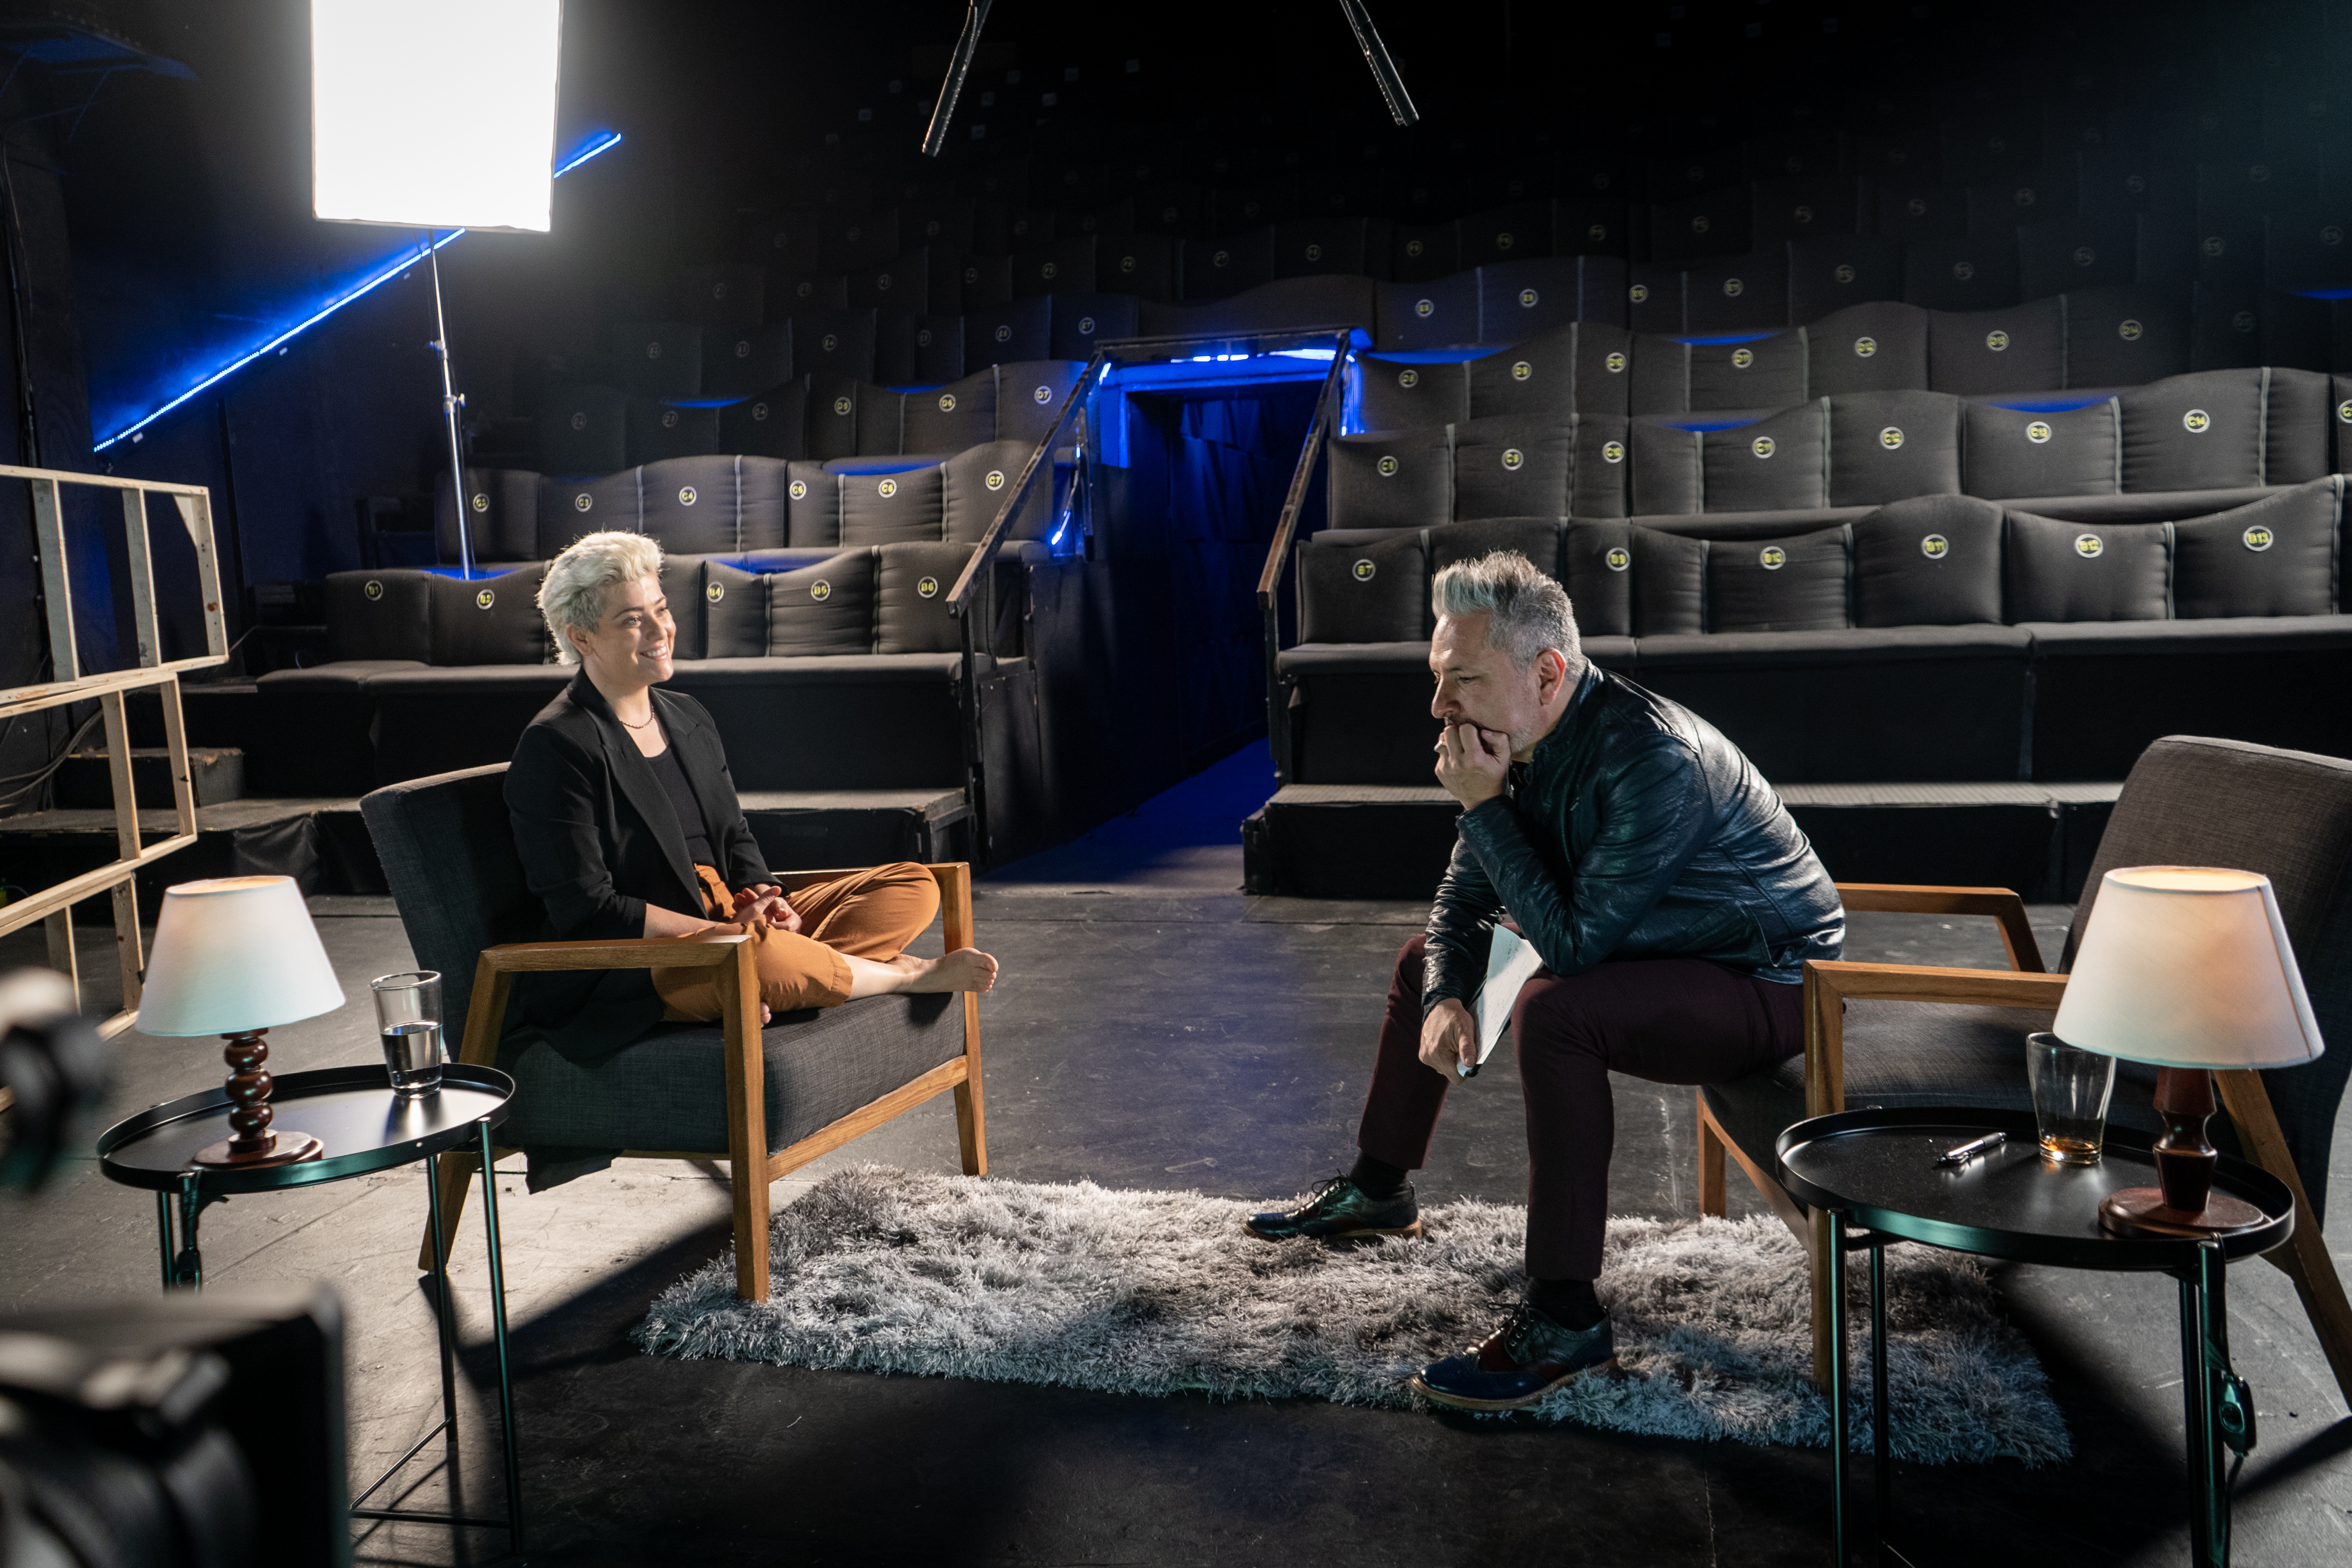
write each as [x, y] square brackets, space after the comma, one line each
[599, 841]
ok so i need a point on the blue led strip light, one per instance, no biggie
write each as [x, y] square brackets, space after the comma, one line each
[603, 142]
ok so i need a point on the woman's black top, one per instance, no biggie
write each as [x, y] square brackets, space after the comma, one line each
[600, 840]
[682, 801]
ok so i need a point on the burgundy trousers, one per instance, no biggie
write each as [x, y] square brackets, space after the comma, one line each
[1668, 1020]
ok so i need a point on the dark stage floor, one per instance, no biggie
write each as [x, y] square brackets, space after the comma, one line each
[1154, 1028]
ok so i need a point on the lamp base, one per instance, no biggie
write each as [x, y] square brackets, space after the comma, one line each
[288, 1147]
[2141, 1211]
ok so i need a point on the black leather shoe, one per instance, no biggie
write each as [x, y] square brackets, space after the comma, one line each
[1531, 1354]
[1338, 1210]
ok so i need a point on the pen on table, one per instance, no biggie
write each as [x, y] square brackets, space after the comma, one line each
[1967, 1151]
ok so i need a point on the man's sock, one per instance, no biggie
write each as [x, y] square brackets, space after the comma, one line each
[1569, 1302]
[1378, 1178]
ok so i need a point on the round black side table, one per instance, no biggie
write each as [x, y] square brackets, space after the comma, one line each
[1877, 1170]
[364, 1128]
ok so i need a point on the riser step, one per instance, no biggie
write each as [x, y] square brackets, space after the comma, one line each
[86, 781]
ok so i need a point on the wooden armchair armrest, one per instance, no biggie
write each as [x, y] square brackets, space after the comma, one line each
[1829, 986]
[2002, 905]
[495, 969]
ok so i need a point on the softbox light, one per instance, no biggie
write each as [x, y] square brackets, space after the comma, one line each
[434, 113]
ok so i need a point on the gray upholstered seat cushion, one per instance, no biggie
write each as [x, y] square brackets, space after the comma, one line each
[667, 1092]
[1911, 1053]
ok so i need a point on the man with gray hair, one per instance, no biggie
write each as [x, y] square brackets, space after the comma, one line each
[1671, 899]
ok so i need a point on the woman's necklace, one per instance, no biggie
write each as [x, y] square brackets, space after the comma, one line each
[649, 719]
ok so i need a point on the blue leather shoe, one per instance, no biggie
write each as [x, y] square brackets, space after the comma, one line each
[1531, 1354]
[1338, 1210]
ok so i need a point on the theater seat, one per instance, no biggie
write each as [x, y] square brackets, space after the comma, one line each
[1515, 466]
[501, 515]
[570, 507]
[1889, 445]
[1972, 274]
[951, 417]
[741, 361]
[1401, 479]
[1400, 395]
[772, 423]
[658, 359]
[659, 430]
[1779, 463]
[1768, 371]
[1832, 272]
[1528, 297]
[2124, 335]
[2195, 432]
[1877, 346]
[2022, 348]
[584, 430]
[2009, 452]
[1736, 293]
[1030, 395]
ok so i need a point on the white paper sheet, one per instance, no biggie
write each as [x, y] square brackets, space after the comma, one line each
[1510, 963]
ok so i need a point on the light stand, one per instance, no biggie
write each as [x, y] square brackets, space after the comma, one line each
[1384, 71]
[451, 401]
[935, 135]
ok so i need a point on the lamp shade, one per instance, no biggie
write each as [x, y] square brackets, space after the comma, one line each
[234, 954]
[2188, 966]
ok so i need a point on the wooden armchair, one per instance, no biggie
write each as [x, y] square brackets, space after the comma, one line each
[769, 1098]
[2188, 802]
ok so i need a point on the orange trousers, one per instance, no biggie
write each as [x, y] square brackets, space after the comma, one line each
[873, 913]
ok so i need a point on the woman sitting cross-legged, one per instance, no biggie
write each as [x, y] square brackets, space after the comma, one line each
[627, 824]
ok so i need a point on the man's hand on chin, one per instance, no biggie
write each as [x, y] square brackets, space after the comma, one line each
[1472, 763]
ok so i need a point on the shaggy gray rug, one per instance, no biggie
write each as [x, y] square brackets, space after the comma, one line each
[884, 1270]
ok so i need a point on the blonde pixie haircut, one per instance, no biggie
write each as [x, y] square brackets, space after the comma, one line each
[572, 593]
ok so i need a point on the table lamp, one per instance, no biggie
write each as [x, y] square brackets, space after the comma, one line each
[237, 956]
[2188, 968]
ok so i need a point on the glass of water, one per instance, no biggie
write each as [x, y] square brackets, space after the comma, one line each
[2071, 1088]
[408, 1014]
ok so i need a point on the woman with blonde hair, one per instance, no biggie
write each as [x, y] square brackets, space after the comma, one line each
[627, 824]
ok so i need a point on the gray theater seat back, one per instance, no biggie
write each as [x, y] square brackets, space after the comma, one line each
[1800, 583]
[2010, 453]
[1401, 479]
[1518, 464]
[2200, 432]
[1393, 395]
[1356, 593]
[1781, 463]
[2281, 555]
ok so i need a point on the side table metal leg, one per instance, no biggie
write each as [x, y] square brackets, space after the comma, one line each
[164, 1234]
[444, 1316]
[2197, 1419]
[1881, 1481]
[1837, 1390]
[2214, 1478]
[188, 1263]
[498, 1335]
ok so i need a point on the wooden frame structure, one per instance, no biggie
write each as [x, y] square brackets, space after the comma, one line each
[54, 904]
[1829, 986]
[747, 1111]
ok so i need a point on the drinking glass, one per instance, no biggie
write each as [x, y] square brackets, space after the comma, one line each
[408, 1015]
[2070, 1087]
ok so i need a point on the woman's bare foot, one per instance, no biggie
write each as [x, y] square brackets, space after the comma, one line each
[965, 969]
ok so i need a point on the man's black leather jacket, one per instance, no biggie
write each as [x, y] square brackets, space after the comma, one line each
[1635, 831]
